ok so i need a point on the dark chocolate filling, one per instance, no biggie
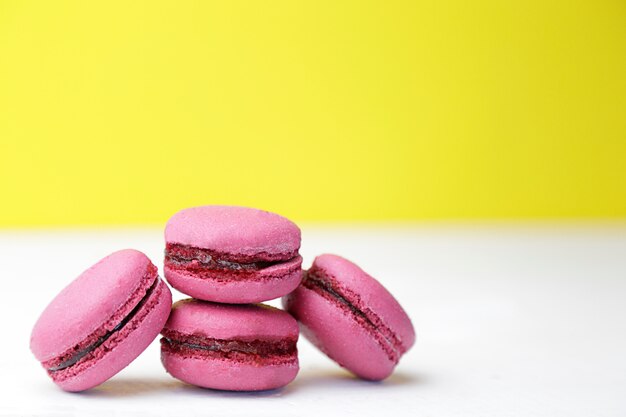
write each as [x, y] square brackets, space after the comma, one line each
[256, 347]
[188, 256]
[210, 263]
[77, 356]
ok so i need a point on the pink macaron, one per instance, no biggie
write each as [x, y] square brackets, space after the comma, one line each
[351, 317]
[101, 321]
[230, 347]
[232, 254]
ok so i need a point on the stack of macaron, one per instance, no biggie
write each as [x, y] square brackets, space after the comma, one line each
[229, 260]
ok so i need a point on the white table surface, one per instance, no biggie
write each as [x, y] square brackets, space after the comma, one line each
[511, 321]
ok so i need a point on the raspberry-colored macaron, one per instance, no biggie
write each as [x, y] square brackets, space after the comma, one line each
[351, 317]
[230, 347]
[101, 321]
[232, 254]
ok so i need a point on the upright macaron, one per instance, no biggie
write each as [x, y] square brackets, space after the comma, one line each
[232, 254]
[351, 317]
[101, 321]
[230, 347]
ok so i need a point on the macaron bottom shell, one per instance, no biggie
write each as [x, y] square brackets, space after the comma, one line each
[266, 284]
[223, 374]
[338, 335]
[122, 347]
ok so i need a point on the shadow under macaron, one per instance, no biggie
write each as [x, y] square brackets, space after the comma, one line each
[306, 379]
[130, 387]
[340, 378]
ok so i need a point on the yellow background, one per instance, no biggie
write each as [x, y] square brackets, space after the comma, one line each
[125, 112]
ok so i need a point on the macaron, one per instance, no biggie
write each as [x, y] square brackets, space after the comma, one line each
[230, 347]
[101, 321]
[351, 317]
[232, 254]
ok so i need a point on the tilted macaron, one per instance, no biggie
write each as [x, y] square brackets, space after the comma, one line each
[102, 321]
[351, 317]
[232, 254]
[230, 347]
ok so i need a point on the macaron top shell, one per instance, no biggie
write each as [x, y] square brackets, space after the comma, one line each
[88, 302]
[225, 321]
[372, 295]
[233, 229]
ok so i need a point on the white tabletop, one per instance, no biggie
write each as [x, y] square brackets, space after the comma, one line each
[511, 321]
